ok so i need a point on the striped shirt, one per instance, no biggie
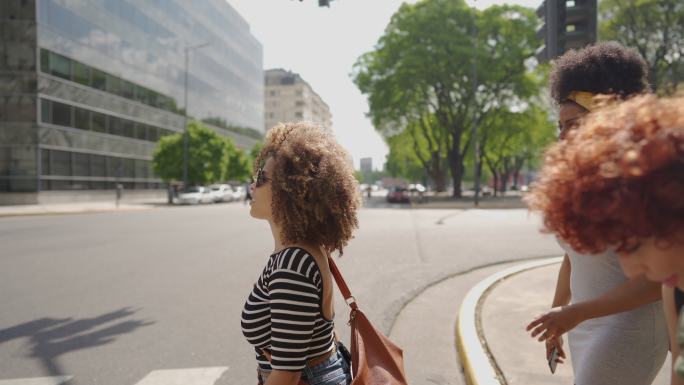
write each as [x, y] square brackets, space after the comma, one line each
[283, 313]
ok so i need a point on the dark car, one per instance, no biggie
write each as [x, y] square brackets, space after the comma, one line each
[398, 195]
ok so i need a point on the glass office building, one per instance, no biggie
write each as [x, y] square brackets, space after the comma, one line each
[87, 88]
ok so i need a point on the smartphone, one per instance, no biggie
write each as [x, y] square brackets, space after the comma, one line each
[553, 359]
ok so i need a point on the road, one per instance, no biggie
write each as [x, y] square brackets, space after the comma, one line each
[154, 296]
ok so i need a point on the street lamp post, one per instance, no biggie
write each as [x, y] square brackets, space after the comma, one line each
[185, 113]
[476, 146]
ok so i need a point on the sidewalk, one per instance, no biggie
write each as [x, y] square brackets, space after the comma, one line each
[72, 208]
[506, 309]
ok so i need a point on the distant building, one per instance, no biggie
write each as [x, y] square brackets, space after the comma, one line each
[366, 165]
[289, 98]
[89, 87]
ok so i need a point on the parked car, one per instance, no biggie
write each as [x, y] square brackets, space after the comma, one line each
[238, 193]
[221, 193]
[417, 188]
[194, 195]
[398, 195]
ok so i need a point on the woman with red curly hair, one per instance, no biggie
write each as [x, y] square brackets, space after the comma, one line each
[305, 189]
[616, 329]
[618, 184]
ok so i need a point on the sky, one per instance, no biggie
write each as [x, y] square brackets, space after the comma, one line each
[322, 44]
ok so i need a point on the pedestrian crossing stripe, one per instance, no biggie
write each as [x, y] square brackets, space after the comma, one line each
[195, 376]
[58, 380]
[189, 376]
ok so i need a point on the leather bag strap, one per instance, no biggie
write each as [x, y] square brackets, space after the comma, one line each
[341, 284]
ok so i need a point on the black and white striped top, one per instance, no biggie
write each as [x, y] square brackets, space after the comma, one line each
[284, 312]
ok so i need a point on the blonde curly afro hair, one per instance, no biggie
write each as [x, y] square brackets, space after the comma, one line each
[315, 193]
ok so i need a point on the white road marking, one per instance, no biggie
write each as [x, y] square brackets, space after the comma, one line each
[37, 381]
[193, 376]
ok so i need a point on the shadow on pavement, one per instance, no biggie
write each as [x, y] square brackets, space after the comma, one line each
[51, 337]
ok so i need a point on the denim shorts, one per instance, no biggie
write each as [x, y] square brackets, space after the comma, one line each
[335, 370]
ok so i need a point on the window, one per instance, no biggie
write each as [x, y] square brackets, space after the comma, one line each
[97, 165]
[272, 93]
[45, 110]
[141, 94]
[114, 167]
[60, 163]
[299, 103]
[82, 119]
[271, 115]
[140, 168]
[81, 167]
[61, 114]
[127, 89]
[114, 125]
[99, 122]
[127, 128]
[60, 185]
[81, 73]
[299, 93]
[299, 114]
[128, 168]
[140, 131]
[99, 80]
[60, 66]
[152, 134]
[94, 185]
[113, 84]
[44, 60]
[44, 162]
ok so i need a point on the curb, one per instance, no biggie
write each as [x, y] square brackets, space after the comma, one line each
[479, 366]
[71, 212]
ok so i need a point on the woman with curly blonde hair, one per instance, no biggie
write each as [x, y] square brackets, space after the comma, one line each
[617, 184]
[305, 188]
[615, 325]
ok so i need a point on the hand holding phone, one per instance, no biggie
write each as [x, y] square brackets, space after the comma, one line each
[553, 359]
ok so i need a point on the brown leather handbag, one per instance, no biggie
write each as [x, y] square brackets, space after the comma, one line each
[375, 359]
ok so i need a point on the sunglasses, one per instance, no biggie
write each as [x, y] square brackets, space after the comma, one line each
[261, 178]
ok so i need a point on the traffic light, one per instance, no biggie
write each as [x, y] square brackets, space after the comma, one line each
[567, 25]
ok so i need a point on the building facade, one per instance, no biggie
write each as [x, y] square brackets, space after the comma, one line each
[89, 86]
[289, 98]
[366, 165]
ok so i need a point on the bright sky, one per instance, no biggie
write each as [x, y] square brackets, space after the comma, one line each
[322, 44]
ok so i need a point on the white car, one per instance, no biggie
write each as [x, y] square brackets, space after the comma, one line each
[221, 193]
[194, 195]
[238, 193]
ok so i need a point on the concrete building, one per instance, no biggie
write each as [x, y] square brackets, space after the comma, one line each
[366, 165]
[87, 87]
[289, 98]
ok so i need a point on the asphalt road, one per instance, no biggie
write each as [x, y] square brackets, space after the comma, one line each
[154, 297]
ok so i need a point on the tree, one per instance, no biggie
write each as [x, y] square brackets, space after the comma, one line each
[512, 140]
[239, 167]
[207, 156]
[419, 77]
[410, 158]
[656, 29]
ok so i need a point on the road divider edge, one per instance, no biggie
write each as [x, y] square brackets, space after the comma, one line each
[478, 364]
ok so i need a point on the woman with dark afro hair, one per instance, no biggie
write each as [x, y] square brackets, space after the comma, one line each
[305, 189]
[615, 324]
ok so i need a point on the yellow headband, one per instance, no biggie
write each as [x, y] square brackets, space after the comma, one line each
[584, 99]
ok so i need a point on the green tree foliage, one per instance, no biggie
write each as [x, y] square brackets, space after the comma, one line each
[512, 140]
[419, 76]
[656, 29]
[208, 156]
[410, 158]
[239, 167]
